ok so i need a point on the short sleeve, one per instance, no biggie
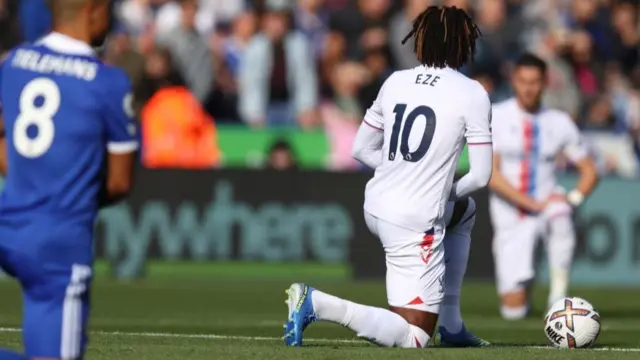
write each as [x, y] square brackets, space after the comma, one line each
[478, 119]
[374, 116]
[574, 146]
[120, 124]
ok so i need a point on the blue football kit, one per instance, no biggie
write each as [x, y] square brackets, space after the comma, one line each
[63, 110]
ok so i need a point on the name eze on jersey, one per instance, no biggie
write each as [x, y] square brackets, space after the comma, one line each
[427, 79]
[32, 60]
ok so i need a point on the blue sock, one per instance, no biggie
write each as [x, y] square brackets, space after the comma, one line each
[11, 355]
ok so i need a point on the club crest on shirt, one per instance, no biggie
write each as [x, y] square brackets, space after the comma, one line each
[127, 105]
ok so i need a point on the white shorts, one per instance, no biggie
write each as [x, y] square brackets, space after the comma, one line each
[514, 248]
[415, 265]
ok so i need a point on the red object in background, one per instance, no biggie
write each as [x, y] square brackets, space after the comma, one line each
[177, 132]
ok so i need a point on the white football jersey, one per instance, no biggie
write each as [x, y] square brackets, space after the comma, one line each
[426, 115]
[528, 145]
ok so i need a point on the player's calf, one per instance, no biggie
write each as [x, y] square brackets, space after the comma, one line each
[422, 325]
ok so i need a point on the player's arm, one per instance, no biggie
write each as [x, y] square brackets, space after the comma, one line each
[478, 136]
[480, 159]
[578, 154]
[501, 186]
[119, 179]
[367, 146]
[122, 141]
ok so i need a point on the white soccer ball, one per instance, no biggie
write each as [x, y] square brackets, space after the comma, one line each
[572, 323]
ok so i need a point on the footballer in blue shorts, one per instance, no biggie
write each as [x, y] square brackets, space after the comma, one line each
[65, 113]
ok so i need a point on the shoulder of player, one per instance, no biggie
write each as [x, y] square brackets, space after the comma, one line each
[557, 115]
[502, 114]
[559, 120]
[399, 75]
[475, 94]
[114, 77]
[393, 79]
[503, 108]
[9, 55]
[476, 88]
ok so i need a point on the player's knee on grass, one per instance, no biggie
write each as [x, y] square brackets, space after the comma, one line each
[422, 319]
[515, 302]
[56, 315]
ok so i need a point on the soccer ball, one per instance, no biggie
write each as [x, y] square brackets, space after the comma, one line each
[572, 323]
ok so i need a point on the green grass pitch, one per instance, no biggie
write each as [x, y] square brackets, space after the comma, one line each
[236, 311]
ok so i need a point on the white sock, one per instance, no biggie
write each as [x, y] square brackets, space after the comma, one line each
[560, 248]
[559, 284]
[380, 326]
[457, 243]
[514, 313]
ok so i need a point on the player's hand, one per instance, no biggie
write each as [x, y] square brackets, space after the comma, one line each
[554, 197]
[536, 207]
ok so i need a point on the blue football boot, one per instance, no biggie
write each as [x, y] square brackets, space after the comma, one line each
[301, 313]
[462, 339]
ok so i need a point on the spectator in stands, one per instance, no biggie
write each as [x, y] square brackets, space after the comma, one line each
[342, 114]
[500, 34]
[627, 36]
[399, 27]
[591, 47]
[335, 50]
[599, 115]
[562, 91]
[376, 60]
[136, 15]
[590, 17]
[190, 51]
[176, 131]
[9, 27]
[278, 84]
[588, 72]
[282, 156]
[122, 53]
[229, 53]
[360, 23]
[170, 16]
[312, 21]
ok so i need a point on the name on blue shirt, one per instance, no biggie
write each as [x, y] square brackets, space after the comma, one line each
[33, 60]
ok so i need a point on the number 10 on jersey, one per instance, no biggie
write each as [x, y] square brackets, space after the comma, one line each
[427, 136]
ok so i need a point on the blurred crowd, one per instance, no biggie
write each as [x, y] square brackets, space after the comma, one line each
[318, 64]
